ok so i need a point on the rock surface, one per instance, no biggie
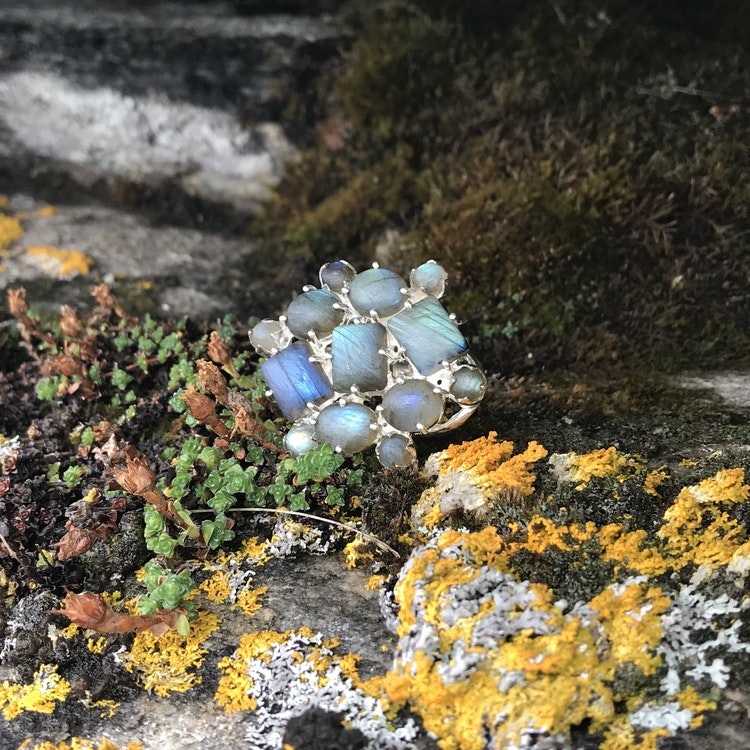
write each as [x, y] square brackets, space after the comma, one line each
[156, 131]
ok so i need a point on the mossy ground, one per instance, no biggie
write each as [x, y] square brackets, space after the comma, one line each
[581, 169]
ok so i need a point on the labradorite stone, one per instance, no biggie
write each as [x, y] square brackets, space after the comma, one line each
[396, 452]
[346, 427]
[469, 385]
[300, 439]
[430, 277]
[356, 358]
[269, 336]
[428, 335]
[295, 381]
[313, 311]
[411, 403]
[337, 275]
[377, 289]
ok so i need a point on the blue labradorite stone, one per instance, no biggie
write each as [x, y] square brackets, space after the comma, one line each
[337, 275]
[300, 439]
[428, 335]
[429, 277]
[412, 403]
[377, 289]
[346, 427]
[469, 385]
[295, 381]
[356, 358]
[396, 452]
[313, 311]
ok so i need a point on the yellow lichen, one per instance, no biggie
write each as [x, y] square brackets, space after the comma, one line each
[78, 743]
[67, 262]
[42, 695]
[375, 582]
[96, 646]
[697, 529]
[10, 230]
[249, 601]
[631, 617]
[216, 588]
[475, 476]
[581, 468]
[168, 663]
[654, 479]
[234, 684]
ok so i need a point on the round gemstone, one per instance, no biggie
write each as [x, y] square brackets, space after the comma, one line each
[469, 385]
[377, 289]
[300, 439]
[269, 337]
[396, 452]
[313, 311]
[430, 277]
[412, 405]
[347, 428]
[337, 275]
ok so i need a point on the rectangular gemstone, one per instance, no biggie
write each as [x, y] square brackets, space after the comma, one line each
[294, 380]
[428, 334]
[356, 358]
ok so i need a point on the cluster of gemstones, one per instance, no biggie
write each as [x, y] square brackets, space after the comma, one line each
[367, 359]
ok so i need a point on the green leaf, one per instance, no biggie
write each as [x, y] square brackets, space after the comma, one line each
[298, 502]
[279, 492]
[53, 472]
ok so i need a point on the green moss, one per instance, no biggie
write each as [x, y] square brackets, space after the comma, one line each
[580, 170]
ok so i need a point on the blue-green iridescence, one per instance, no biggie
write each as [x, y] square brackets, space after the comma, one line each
[410, 404]
[300, 439]
[295, 381]
[347, 427]
[428, 335]
[356, 358]
[313, 311]
[377, 289]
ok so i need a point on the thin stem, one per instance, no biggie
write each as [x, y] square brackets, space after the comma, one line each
[283, 511]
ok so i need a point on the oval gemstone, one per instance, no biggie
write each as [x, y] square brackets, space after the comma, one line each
[377, 289]
[412, 405]
[428, 334]
[337, 275]
[356, 358]
[295, 381]
[396, 452]
[347, 428]
[430, 277]
[269, 337]
[300, 439]
[469, 385]
[313, 311]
